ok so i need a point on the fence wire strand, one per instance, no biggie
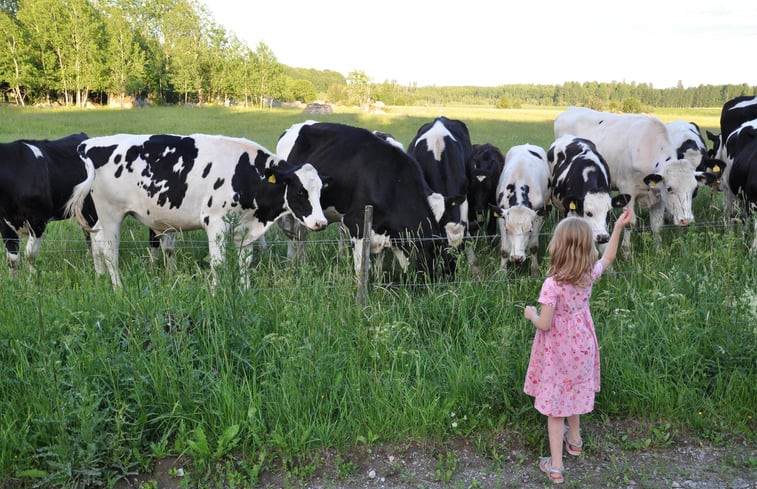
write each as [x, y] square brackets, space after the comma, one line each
[184, 242]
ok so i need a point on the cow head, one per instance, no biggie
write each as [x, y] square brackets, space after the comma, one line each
[675, 184]
[302, 194]
[455, 219]
[484, 168]
[593, 208]
[519, 225]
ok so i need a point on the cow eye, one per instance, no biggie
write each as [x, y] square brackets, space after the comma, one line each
[670, 189]
[589, 214]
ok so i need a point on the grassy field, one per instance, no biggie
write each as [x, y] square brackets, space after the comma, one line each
[96, 383]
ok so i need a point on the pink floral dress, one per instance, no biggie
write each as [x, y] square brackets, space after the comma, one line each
[563, 372]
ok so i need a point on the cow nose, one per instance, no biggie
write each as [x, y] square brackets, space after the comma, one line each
[517, 258]
[684, 221]
[602, 238]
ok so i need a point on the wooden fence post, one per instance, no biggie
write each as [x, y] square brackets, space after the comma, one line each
[365, 254]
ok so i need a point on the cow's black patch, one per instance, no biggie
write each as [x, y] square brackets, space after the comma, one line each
[206, 220]
[261, 160]
[164, 155]
[206, 170]
[524, 192]
[218, 183]
[100, 155]
[119, 171]
[210, 201]
[687, 145]
[536, 155]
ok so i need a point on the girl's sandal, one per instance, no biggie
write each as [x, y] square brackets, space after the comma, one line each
[573, 448]
[555, 475]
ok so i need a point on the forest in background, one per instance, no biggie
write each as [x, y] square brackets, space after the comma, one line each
[80, 52]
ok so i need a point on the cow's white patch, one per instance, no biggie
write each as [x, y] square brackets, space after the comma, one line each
[436, 202]
[37, 152]
[455, 233]
[434, 138]
[309, 178]
[745, 103]
[286, 141]
[481, 178]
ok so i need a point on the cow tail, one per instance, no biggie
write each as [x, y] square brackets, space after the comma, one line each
[74, 206]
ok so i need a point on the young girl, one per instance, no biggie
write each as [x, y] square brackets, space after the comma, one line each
[563, 372]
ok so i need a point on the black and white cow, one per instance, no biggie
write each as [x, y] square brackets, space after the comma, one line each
[175, 183]
[364, 169]
[734, 113]
[580, 180]
[742, 179]
[642, 160]
[442, 148]
[37, 178]
[581, 183]
[523, 196]
[484, 168]
[689, 144]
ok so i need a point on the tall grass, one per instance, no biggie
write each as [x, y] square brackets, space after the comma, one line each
[96, 383]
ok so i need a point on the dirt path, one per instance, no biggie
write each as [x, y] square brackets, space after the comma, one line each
[683, 463]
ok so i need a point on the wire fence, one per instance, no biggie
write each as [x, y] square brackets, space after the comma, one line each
[486, 245]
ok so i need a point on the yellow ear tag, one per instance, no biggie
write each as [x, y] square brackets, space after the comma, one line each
[573, 206]
[716, 168]
[272, 179]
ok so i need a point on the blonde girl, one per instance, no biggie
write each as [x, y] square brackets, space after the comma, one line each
[563, 371]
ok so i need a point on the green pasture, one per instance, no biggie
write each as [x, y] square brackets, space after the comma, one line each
[97, 383]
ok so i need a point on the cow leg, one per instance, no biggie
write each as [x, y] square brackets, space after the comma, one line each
[154, 243]
[11, 240]
[105, 241]
[504, 249]
[344, 237]
[401, 258]
[472, 260]
[625, 245]
[296, 234]
[656, 221]
[168, 245]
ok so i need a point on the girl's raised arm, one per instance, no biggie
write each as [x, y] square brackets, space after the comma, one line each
[612, 246]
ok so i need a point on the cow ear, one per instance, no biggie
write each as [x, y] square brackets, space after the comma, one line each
[620, 200]
[272, 175]
[718, 166]
[653, 180]
[496, 210]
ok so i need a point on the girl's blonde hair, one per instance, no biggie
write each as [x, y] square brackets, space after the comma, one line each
[572, 252]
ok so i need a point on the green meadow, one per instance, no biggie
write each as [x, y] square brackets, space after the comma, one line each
[96, 383]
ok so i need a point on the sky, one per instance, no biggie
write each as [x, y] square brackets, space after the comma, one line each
[496, 42]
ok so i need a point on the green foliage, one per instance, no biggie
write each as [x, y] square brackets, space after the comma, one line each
[96, 383]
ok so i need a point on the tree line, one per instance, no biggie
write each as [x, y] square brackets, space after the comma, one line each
[172, 51]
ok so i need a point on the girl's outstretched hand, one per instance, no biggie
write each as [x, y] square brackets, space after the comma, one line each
[625, 217]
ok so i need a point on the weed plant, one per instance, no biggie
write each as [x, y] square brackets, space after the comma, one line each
[96, 383]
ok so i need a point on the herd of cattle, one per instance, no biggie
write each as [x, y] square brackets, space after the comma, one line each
[426, 199]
